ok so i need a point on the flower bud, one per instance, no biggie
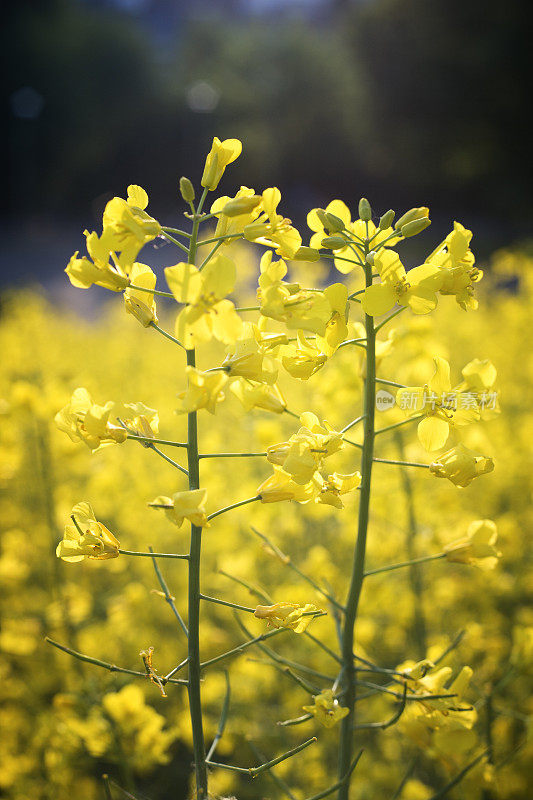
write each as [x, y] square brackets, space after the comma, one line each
[187, 190]
[414, 227]
[386, 220]
[411, 215]
[370, 258]
[331, 222]
[333, 242]
[365, 212]
[255, 230]
[306, 254]
[241, 205]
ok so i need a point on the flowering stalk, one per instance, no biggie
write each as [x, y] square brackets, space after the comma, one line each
[348, 682]
[193, 463]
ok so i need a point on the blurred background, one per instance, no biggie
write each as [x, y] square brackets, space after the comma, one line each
[404, 101]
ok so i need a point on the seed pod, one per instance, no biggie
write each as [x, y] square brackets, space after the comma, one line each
[414, 227]
[386, 220]
[365, 212]
[187, 190]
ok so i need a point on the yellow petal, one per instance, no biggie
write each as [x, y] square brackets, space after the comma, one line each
[378, 299]
[184, 281]
[433, 432]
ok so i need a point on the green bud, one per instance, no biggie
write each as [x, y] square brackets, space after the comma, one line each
[411, 215]
[334, 223]
[333, 242]
[306, 254]
[255, 230]
[386, 220]
[187, 190]
[365, 212]
[240, 205]
[414, 227]
[370, 258]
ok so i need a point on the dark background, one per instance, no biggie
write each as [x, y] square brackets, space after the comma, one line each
[409, 102]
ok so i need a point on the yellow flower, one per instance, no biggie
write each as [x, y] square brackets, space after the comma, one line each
[281, 486]
[204, 390]
[127, 226]
[185, 505]
[206, 313]
[478, 547]
[273, 230]
[332, 487]
[83, 420]
[83, 273]
[303, 359]
[287, 615]
[326, 709]
[86, 538]
[305, 451]
[248, 358]
[336, 328]
[254, 395]
[460, 465]
[141, 304]
[441, 406]
[479, 377]
[235, 224]
[218, 158]
[417, 288]
[456, 259]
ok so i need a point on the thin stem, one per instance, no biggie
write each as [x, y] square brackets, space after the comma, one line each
[170, 238]
[151, 441]
[168, 597]
[150, 291]
[220, 239]
[177, 669]
[193, 463]
[348, 684]
[169, 460]
[351, 424]
[399, 424]
[401, 463]
[381, 324]
[223, 718]
[232, 455]
[248, 308]
[241, 647]
[272, 763]
[105, 664]
[390, 383]
[254, 590]
[226, 603]
[210, 255]
[345, 780]
[155, 555]
[392, 567]
[167, 335]
[275, 778]
[232, 506]
[357, 342]
[167, 229]
[458, 778]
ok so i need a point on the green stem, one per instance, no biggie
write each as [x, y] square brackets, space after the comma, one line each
[226, 603]
[399, 424]
[210, 255]
[231, 455]
[166, 594]
[149, 555]
[401, 564]
[176, 230]
[151, 441]
[381, 324]
[193, 462]
[150, 291]
[232, 506]
[401, 463]
[167, 335]
[390, 383]
[170, 238]
[358, 568]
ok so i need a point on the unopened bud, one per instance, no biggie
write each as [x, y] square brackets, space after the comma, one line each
[370, 258]
[411, 216]
[333, 242]
[306, 254]
[241, 205]
[187, 190]
[331, 222]
[386, 220]
[255, 230]
[365, 212]
[414, 227]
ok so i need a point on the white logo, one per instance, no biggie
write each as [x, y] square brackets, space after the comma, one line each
[384, 400]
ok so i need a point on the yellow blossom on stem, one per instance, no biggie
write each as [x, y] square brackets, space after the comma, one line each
[336, 327]
[97, 426]
[331, 488]
[257, 395]
[248, 358]
[281, 486]
[85, 537]
[479, 377]
[460, 465]
[127, 226]
[218, 158]
[272, 229]
[141, 304]
[206, 313]
[305, 451]
[478, 546]
[457, 261]
[442, 407]
[185, 505]
[83, 272]
[417, 288]
[326, 709]
[204, 390]
[235, 224]
[302, 359]
[287, 615]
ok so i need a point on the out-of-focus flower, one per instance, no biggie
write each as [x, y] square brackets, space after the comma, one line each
[303, 358]
[281, 486]
[141, 303]
[326, 709]
[204, 390]
[460, 465]
[288, 615]
[185, 505]
[258, 395]
[478, 547]
[332, 487]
